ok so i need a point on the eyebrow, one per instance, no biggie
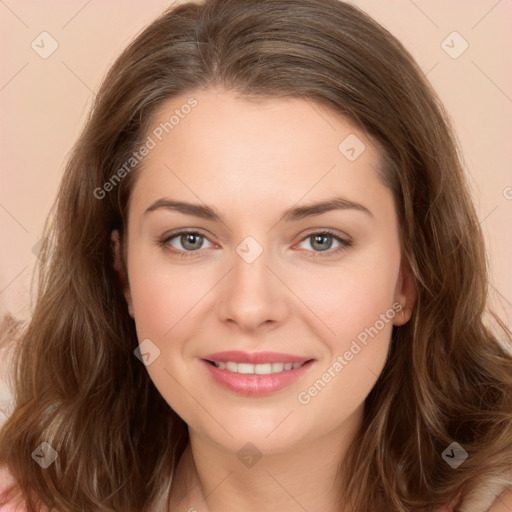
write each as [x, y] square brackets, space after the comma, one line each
[292, 214]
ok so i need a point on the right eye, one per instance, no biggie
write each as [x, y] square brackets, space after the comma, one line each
[186, 242]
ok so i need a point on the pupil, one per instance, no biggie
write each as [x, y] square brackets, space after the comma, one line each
[324, 238]
[189, 238]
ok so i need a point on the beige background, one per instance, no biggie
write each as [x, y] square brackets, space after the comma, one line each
[44, 103]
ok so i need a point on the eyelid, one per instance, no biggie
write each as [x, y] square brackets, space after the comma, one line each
[165, 239]
[329, 231]
[344, 241]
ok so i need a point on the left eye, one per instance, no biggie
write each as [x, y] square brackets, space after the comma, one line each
[322, 242]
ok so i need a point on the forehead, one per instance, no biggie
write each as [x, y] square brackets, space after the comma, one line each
[242, 151]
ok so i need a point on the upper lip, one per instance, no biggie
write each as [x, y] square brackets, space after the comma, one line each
[238, 356]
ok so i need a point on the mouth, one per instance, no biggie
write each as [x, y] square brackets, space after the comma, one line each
[255, 374]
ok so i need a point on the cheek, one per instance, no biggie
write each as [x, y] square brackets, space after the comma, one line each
[359, 315]
[354, 295]
[163, 295]
[163, 302]
[355, 304]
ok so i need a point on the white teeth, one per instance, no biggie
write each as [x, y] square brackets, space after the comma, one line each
[232, 367]
[245, 368]
[263, 369]
[258, 369]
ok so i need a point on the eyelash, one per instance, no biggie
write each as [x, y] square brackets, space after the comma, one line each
[344, 243]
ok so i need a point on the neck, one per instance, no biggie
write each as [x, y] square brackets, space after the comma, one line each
[210, 478]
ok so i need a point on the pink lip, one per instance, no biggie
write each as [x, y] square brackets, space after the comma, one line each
[251, 384]
[238, 356]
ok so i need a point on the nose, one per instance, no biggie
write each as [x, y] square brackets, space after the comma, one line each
[252, 296]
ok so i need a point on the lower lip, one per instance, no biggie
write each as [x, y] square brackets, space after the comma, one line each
[256, 385]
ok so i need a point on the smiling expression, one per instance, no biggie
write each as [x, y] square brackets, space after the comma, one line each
[250, 230]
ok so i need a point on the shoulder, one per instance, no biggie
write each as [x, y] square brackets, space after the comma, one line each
[503, 502]
[9, 498]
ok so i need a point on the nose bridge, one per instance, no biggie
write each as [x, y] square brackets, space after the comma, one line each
[252, 295]
[250, 265]
[250, 273]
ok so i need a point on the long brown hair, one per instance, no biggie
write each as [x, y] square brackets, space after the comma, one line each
[448, 378]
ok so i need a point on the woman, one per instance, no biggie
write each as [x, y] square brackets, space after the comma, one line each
[264, 284]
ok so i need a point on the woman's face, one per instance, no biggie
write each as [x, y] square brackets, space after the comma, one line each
[256, 275]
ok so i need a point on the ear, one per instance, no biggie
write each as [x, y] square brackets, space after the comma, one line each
[119, 267]
[405, 293]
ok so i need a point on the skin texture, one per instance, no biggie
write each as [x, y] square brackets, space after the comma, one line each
[503, 503]
[251, 161]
